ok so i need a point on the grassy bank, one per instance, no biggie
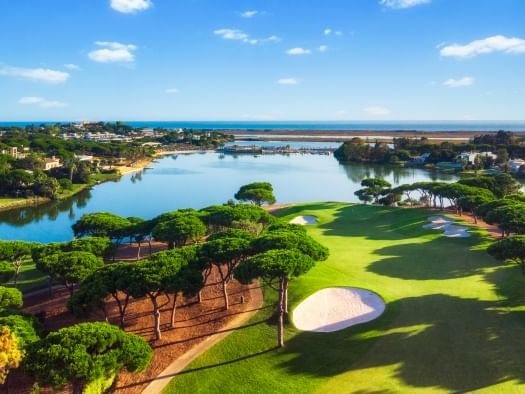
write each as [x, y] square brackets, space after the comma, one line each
[29, 278]
[453, 322]
[7, 203]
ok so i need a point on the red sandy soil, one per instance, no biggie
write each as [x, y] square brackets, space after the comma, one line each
[129, 251]
[194, 323]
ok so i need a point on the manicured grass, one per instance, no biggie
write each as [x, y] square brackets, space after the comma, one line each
[454, 321]
[10, 203]
[29, 278]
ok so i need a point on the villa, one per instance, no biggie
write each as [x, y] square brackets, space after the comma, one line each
[470, 157]
[51, 162]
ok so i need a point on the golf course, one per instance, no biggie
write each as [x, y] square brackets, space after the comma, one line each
[454, 319]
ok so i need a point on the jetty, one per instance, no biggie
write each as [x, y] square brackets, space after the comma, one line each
[277, 150]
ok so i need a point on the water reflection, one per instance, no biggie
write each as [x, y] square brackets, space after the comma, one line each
[49, 211]
[199, 180]
[357, 172]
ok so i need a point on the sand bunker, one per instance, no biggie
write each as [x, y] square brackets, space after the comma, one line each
[449, 229]
[336, 308]
[303, 220]
[454, 231]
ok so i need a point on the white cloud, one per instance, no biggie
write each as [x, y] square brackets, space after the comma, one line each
[41, 102]
[288, 81]
[249, 14]
[111, 52]
[377, 111]
[510, 45]
[328, 31]
[172, 91]
[271, 39]
[71, 66]
[239, 35]
[231, 34]
[298, 51]
[399, 4]
[459, 83]
[130, 6]
[35, 74]
[323, 48]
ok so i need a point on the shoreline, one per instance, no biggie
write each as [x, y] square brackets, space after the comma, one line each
[344, 135]
[36, 201]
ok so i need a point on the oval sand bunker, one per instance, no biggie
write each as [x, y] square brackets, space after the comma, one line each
[336, 308]
[303, 220]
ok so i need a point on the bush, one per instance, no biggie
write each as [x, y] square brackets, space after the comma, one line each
[65, 184]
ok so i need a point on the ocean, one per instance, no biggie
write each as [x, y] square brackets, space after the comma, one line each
[516, 126]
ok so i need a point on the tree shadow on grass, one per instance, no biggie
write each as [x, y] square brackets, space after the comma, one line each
[508, 282]
[437, 340]
[300, 208]
[439, 258]
[376, 222]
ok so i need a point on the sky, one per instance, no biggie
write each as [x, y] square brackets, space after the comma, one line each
[262, 60]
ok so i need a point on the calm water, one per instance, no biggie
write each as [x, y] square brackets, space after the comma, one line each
[199, 180]
[490, 125]
[292, 144]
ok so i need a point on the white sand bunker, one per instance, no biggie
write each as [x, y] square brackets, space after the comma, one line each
[303, 220]
[454, 231]
[449, 229]
[336, 308]
[437, 222]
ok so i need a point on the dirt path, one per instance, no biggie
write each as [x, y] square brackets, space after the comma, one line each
[164, 378]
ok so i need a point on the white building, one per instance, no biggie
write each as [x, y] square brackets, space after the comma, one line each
[516, 164]
[51, 162]
[470, 157]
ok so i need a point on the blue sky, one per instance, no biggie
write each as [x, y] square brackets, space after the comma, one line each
[262, 60]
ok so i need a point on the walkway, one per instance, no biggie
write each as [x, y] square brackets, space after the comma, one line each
[164, 378]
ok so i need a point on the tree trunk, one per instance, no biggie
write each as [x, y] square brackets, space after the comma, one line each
[121, 307]
[150, 248]
[171, 245]
[18, 266]
[174, 310]
[78, 387]
[280, 317]
[105, 312]
[475, 218]
[285, 295]
[156, 315]
[138, 251]
[224, 280]
[70, 288]
[225, 294]
[199, 296]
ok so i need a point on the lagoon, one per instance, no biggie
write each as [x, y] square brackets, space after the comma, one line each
[201, 179]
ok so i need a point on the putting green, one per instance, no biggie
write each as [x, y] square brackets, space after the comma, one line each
[454, 320]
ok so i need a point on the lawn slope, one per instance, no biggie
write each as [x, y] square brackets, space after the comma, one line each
[454, 320]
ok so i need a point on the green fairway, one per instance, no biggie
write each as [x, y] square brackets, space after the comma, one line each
[29, 278]
[454, 320]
